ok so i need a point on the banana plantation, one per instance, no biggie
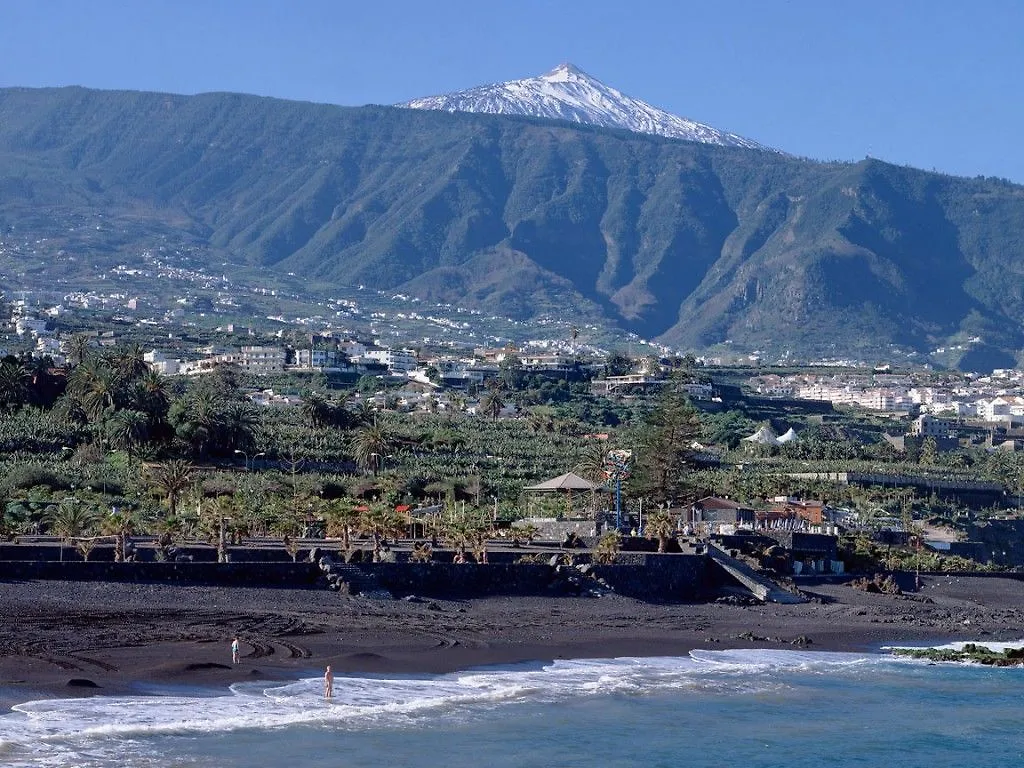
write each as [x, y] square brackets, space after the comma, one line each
[113, 449]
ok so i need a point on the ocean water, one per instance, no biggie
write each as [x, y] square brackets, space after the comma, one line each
[740, 708]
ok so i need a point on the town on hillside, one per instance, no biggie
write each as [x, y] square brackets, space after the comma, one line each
[181, 436]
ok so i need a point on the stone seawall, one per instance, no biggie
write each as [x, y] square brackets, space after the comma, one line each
[664, 578]
[667, 578]
[462, 580]
[291, 575]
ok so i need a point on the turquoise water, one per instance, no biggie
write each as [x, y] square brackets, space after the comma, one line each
[743, 708]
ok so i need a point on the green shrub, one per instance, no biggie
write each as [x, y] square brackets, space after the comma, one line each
[32, 475]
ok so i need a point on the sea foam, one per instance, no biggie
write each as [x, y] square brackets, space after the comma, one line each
[65, 731]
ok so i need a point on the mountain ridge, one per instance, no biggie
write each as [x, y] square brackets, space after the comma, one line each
[568, 93]
[699, 246]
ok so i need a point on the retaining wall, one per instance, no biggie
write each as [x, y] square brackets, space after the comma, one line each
[663, 578]
[291, 575]
[667, 578]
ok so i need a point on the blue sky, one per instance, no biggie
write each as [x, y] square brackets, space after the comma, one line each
[930, 83]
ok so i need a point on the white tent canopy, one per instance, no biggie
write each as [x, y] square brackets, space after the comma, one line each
[763, 436]
[788, 437]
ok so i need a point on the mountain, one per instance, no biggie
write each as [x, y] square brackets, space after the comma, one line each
[700, 246]
[569, 93]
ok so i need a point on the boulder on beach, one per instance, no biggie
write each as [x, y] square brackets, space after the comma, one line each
[82, 682]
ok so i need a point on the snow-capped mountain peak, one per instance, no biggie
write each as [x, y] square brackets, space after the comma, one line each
[569, 93]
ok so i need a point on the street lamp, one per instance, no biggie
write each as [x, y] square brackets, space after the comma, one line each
[378, 458]
[617, 468]
[245, 457]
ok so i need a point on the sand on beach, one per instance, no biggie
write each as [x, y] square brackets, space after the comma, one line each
[85, 638]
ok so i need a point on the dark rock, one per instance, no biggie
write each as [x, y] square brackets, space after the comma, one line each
[82, 682]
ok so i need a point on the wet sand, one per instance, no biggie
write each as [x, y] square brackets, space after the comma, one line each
[86, 638]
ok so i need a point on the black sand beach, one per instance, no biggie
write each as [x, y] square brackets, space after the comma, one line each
[87, 638]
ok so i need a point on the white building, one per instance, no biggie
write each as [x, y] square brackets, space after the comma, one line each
[353, 349]
[927, 425]
[48, 345]
[31, 325]
[262, 360]
[396, 360]
[156, 361]
[320, 359]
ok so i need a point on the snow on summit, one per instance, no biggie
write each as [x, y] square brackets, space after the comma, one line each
[569, 93]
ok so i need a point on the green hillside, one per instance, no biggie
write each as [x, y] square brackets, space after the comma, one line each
[695, 245]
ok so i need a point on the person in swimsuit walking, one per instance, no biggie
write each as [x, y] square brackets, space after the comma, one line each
[234, 651]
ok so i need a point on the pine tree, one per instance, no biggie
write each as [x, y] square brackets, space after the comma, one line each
[664, 447]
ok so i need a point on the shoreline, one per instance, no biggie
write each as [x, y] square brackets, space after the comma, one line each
[123, 637]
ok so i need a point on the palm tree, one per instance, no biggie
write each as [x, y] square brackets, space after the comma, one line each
[171, 478]
[607, 549]
[593, 461]
[71, 519]
[317, 410]
[93, 384]
[127, 429]
[468, 530]
[151, 395]
[286, 517]
[524, 531]
[382, 522]
[201, 418]
[128, 364]
[341, 516]
[422, 552]
[371, 444]
[239, 424]
[660, 526]
[120, 524]
[222, 511]
[77, 348]
[364, 413]
[492, 403]
[15, 382]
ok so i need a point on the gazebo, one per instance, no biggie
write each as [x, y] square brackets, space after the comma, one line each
[568, 482]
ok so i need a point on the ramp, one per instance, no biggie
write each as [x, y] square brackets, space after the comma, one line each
[760, 587]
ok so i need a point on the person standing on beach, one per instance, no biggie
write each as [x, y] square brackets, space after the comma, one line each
[328, 683]
[234, 651]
